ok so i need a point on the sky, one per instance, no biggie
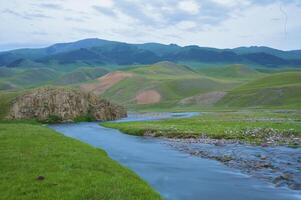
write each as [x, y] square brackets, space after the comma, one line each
[210, 23]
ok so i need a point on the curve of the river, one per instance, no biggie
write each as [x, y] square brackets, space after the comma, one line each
[174, 174]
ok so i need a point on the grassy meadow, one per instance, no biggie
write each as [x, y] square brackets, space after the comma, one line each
[38, 163]
[248, 126]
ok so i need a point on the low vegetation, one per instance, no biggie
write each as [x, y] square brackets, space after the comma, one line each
[248, 126]
[38, 163]
[280, 90]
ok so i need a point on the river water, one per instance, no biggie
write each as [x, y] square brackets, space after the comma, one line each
[176, 175]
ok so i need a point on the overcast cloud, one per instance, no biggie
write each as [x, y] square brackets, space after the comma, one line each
[214, 23]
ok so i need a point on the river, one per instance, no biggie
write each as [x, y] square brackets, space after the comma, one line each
[176, 175]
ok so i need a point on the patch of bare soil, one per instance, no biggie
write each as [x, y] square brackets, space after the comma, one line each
[205, 99]
[148, 97]
[105, 82]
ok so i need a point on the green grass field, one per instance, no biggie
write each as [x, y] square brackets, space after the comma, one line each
[69, 169]
[217, 125]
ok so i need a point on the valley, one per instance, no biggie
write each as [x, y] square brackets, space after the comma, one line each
[189, 104]
[150, 100]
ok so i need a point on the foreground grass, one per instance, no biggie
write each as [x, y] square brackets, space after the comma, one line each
[217, 125]
[69, 169]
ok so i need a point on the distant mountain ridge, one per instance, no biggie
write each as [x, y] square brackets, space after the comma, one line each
[93, 51]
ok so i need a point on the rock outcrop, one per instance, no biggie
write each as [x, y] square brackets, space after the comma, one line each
[61, 104]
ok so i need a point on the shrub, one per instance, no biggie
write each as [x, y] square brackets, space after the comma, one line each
[52, 119]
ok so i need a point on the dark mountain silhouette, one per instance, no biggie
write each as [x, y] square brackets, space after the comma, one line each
[95, 51]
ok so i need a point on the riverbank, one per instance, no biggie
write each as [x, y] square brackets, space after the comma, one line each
[260, 128]
[279, 166]
[252, 142]
[38, 163]
[176, 175]
[261, 144]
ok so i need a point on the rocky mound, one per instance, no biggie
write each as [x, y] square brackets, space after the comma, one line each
[58, 104]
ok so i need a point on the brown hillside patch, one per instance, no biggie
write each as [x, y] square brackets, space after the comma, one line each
[105, 82]
[148, 97]
[205, 99]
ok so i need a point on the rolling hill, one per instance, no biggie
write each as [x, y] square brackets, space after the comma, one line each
[166, 85]
[281, 90]
[236, 71]
[80, 75]
[162, 84]
[22, 78]
[18, 79]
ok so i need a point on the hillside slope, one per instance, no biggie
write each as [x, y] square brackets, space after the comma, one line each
[22, 78]
[18, 79]
[80, 75]
[236, 71]
[163, 84]
[281, 90]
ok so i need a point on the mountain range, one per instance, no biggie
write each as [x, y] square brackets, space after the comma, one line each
[96, 52]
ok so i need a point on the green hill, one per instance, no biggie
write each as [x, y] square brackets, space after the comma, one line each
[236, 71]
[24, 78]
[6, 72]
[281, 90]
[16, 79]
[81, 75]
[34, 77]
[161, 85]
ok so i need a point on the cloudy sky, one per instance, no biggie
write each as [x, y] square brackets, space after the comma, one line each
[214, 23]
